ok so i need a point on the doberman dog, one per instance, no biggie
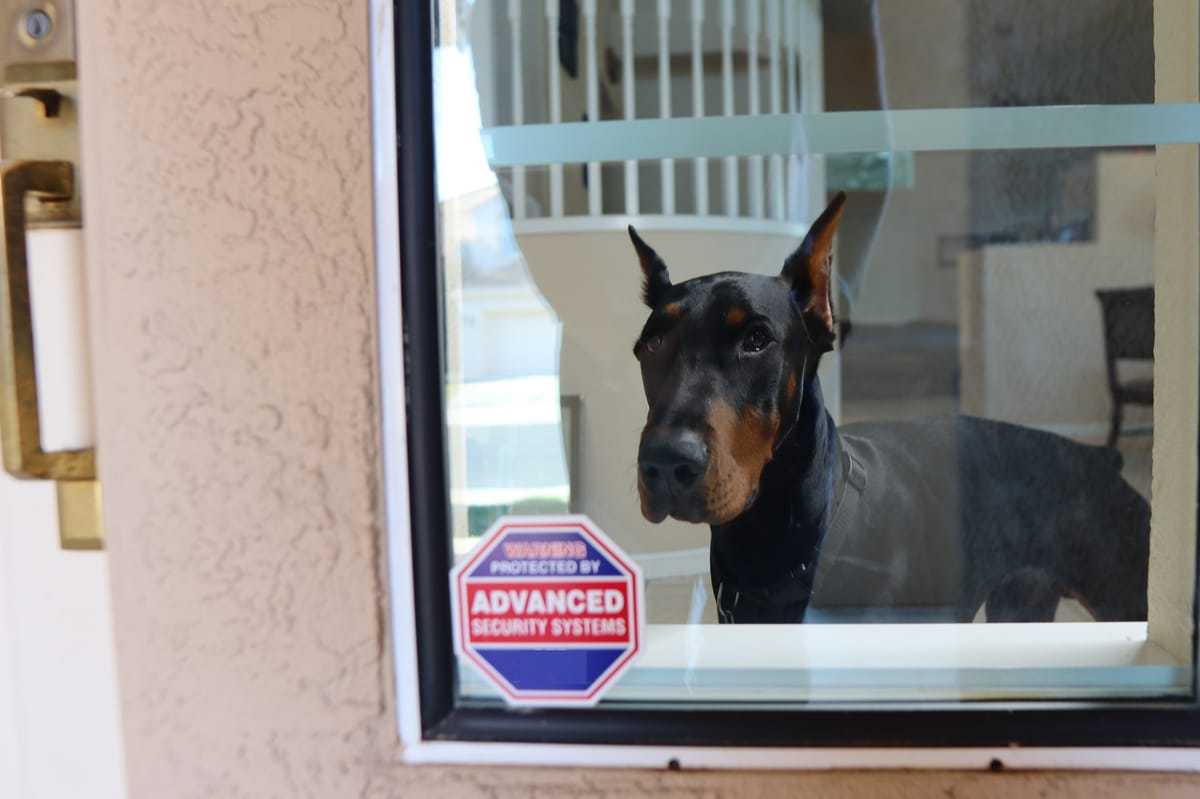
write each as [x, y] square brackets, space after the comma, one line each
[909, 521]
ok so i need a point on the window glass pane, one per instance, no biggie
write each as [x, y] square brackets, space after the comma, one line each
[925, 446]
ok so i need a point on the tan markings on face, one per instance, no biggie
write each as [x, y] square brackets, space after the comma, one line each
[735, 316]
[741, 446]
[673, 310]
[791, 387]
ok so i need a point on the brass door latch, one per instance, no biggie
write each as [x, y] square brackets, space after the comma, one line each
[39, 192]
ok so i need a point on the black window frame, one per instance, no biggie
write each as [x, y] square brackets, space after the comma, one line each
[1170, 722]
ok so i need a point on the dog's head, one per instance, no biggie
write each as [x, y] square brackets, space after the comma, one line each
[725, 360]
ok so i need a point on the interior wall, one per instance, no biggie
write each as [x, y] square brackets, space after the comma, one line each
[899, 278]
[229, 230]
[1044, 366]
[1094, 52]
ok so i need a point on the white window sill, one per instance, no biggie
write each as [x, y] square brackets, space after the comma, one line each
[898, 662]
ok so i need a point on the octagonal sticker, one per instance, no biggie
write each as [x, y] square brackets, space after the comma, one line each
[548, 609]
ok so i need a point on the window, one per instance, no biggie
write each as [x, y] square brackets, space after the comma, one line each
[923, 472]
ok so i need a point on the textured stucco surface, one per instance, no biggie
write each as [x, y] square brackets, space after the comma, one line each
[228, 218]
[231, 231]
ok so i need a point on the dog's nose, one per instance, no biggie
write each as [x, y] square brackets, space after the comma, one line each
[674, 459]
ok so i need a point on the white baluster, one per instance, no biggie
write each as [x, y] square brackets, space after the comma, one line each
[631, 174]
[664, 99]
[776, 163]
[793, 159]
[811, 192]
[809, 49]
[731, 164]
[699, 165]
[755, 161]
[518, 100]
[593, 101]
[556, 170]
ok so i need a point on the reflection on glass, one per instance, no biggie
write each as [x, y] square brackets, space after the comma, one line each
[503, 420]
[1014, 283]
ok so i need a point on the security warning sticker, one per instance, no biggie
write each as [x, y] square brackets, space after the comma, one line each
[548, 609]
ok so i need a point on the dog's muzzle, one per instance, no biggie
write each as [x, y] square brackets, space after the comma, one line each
[672, 464]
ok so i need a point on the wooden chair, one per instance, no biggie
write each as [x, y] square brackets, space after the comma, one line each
[1128, 316]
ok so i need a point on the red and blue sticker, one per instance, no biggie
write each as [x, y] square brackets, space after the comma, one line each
[548, 609]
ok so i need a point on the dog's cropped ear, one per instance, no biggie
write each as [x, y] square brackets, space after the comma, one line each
[808, 271]
[655, 280]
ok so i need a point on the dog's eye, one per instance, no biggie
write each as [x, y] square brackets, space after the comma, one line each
[653, 343]
[756, 340]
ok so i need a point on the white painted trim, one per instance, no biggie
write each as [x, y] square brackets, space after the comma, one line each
[815, 759]
[391, 370]
[901, 646]
[911, 664]
[399, 554]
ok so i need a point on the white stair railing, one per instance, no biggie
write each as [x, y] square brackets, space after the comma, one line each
[556, 170]
[699, 165]
[755, 162]
[776, 164]
[627, 81]
[731, 163]
[593, 101]
[769, 184]
[664, 99]
[793, 66]
[518, 101]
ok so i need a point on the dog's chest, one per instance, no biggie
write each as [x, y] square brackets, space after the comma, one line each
[894, 542]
